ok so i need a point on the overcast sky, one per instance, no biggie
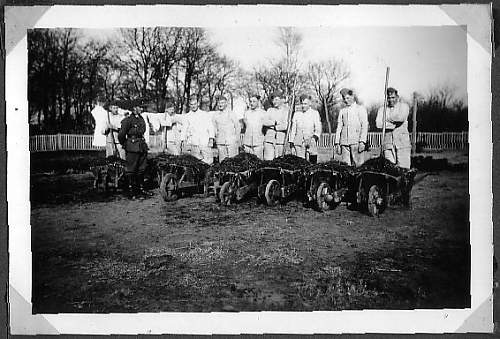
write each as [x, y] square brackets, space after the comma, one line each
[419, 58]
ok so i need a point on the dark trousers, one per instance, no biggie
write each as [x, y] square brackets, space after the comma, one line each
[136, 162]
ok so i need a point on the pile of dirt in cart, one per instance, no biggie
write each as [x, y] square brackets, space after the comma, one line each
[163, 161]
[180, 160]
[288, 161]
[382, 165]
[239, 163]
[333, 165]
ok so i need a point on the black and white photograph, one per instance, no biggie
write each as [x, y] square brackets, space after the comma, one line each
[218, 165]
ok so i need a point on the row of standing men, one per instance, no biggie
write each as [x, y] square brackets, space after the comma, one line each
[256, 131]
[264, 132]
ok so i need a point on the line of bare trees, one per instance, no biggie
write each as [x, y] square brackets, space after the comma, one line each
[68, 71]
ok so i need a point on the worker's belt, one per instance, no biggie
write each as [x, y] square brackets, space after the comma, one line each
[135, 137]
[273, 143]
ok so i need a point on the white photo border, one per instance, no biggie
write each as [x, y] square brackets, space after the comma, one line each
[478, 318]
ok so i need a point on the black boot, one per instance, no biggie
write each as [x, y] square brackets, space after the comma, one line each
[313, 159]
[131, 185]
[140, 183]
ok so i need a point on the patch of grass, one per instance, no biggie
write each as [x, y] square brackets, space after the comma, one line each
[334, 288]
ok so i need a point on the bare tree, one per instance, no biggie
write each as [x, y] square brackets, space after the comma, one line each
[165, 57]
[216, 77]
[442, 95]
[141, 45]
[195, 47]
[325, 77]
[290, 42]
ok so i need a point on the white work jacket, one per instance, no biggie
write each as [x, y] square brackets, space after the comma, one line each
[227, 128]
[396, 122]
[115, 122]
[199, 128]
[174, 130]
[352, 125]
[277, 120]
[100, 118]
[253, 131]
[304, 126]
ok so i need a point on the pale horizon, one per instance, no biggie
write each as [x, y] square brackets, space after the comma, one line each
[419, 58]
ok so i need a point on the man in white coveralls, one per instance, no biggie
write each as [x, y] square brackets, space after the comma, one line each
[352, 130]
[198, 132]
[227, 130]
[252, 121]
[275, 124]
[305, 131]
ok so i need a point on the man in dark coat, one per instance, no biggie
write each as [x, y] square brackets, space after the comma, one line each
[131, 137]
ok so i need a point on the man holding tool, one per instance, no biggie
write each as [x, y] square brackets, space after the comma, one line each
[111, 129]
[396, 144]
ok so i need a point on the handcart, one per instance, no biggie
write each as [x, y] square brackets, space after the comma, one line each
[180, 176]
[110, 173]
[281, 179]
[379, 184]
[234, 178]
[328, 184]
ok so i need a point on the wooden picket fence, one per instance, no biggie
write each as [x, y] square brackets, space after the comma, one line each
[428, 140]
[81, 142]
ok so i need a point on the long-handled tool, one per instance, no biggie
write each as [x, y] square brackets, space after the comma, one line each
[115, 149]
[290, 113]
[385, 109]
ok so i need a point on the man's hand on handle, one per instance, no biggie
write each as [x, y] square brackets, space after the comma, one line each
[338, 149]
[361, 146]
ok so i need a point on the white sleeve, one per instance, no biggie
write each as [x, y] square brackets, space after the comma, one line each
[293, 129]
[363, 136]
[317, 124]
[378, 120]
[339, 127]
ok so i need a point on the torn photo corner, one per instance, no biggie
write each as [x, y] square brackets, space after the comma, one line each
[278, 251]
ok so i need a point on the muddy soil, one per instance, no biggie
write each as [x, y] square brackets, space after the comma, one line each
[94, 252]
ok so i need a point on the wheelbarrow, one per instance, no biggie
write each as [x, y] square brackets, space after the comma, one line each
[277, 184]
[376, 190]
[327, 184]
[180, 178]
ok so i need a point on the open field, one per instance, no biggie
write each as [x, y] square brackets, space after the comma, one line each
[98, 253]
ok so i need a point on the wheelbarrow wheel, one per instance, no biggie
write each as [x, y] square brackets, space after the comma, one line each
[226, 194]
[168, 187]
[107, 183]
[273, 194]
[375, 202]
[159, 177]
[322, 193]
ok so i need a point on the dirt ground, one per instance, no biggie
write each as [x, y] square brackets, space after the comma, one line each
[104, 253]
